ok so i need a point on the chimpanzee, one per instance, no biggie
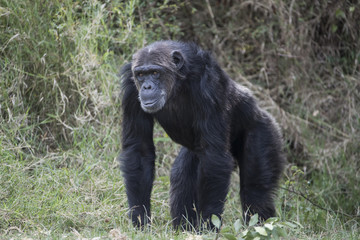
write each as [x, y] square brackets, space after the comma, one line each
[217, 122]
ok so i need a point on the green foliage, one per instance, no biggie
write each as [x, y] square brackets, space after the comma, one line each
[64, 56]
[272, 228]
[59, 112]
[216, 221]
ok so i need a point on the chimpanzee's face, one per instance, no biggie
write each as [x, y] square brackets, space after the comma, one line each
[155, 70]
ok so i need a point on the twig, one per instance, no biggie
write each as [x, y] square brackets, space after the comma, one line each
[211, 15]
[317, 205]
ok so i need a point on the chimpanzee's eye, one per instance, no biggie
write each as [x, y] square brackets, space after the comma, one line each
[140, 77]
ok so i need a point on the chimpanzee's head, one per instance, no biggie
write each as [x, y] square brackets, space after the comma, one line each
[156, 69]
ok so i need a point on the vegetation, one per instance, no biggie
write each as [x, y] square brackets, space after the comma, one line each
[60, 111]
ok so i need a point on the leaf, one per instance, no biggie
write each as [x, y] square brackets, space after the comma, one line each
[237, 225]
[289, 224]
[272, 220]
[334, 28]
[225, 230]
[269, 226]
[229, 236]
[294, 168]
[216, 221]
[261, 231]
[298, 224]
[278, 231]
[340, 14]
[254, 220]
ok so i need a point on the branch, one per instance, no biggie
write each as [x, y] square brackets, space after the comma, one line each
[317, 205]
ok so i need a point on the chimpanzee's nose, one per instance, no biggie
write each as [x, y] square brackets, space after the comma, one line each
[147, 85]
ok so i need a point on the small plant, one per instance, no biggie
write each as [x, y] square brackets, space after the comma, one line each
[271, 228]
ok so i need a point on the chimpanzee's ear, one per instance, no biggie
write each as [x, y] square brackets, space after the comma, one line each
[177, 59]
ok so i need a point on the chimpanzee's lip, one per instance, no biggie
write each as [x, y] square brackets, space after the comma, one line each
[151, 103]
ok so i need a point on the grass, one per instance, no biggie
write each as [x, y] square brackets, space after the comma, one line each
[80, 194]
[60, 112]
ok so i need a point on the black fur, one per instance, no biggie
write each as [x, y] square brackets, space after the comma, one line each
[217, 122]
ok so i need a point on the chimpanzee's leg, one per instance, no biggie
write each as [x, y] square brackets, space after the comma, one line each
[214, 179]
[183, 199]
[261, 165]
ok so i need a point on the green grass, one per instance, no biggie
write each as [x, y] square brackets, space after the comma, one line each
[60, 116]
[80, 193]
